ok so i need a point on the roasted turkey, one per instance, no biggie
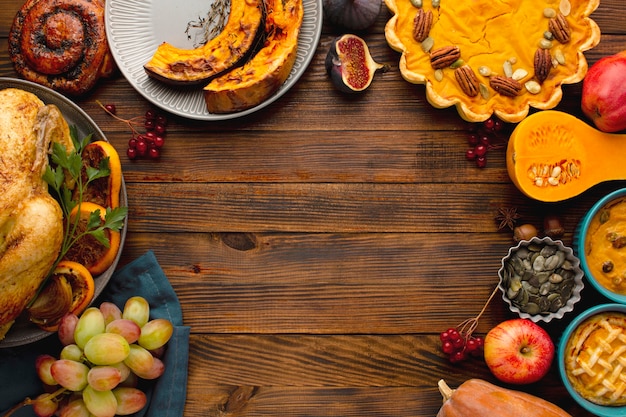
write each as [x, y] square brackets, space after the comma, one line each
[31, 221]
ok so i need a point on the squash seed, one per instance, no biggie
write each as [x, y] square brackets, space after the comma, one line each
[439, 74]
[484, 70]
[484, 91]
[559, 56]
[508, 68]
[427, 44]
[457, 64]
[565, 7]
[519, 74]
[436, 3]
[533, 87]
[549, 12]
[417, 3]
[545, 43]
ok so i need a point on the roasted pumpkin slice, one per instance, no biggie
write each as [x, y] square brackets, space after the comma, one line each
[241, 36]
[249, 85]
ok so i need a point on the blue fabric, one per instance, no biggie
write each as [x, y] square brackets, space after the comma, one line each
[166, 395]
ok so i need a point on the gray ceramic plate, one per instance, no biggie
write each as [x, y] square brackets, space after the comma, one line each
[24, 332]
[136, 28]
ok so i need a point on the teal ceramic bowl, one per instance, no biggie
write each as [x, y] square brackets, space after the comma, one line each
[579, 245]
[598, 410]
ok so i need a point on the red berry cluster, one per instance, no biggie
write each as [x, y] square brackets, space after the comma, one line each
[459, 346]
[149, 143]
[482, 138]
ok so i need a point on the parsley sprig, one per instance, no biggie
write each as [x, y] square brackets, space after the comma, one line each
[67, 184]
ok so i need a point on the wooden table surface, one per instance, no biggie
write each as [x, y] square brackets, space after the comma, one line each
[320, 245]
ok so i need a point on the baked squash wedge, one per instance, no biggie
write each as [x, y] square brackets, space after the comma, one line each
[249, 85]
[241, 37]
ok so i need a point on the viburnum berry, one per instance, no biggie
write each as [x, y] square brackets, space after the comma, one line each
[458, 343]
[484, 137]
[147, 143]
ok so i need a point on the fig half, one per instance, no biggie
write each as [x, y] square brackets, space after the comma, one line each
[350, 65]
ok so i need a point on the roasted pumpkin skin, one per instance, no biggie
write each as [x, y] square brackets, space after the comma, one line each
[476, 397]
[241, 37]
[249, 85]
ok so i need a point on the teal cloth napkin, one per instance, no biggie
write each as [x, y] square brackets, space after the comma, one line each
[166, 395]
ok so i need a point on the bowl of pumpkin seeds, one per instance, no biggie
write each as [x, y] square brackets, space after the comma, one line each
[540, 279]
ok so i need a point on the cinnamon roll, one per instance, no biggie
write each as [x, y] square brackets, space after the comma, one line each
[61, 44]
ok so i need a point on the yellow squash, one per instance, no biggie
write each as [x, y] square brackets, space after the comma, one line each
[249, 85]
[239, 38]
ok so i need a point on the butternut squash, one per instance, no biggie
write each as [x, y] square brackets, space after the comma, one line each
[241, 36]
[249, 85]
[476, 397]
[553, 156]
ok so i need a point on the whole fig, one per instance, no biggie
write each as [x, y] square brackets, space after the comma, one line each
[604, 93]
[350, 65]
[352, 14]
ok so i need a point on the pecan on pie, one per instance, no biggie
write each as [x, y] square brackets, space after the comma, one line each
[522, 52]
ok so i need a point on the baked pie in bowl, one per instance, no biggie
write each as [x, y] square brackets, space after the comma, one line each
[492, 56]
[592, 359]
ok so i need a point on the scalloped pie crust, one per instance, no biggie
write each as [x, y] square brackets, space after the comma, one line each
[489, 33]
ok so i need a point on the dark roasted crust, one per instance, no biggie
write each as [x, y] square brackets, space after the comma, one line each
[75, 65]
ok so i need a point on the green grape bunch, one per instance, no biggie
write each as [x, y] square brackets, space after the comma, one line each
[106, 352]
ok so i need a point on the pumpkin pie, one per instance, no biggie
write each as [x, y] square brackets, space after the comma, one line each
[492, 56]
[595, 359]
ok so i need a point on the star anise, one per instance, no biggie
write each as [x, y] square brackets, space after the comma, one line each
[507, 217]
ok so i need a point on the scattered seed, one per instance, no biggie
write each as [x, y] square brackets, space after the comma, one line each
[559, 56]
[565, 7]
[436, 3]
[548, 35]
[438, 74]
[427, 44]
[508, 68]
[519, 74]
[533, 87]
[484, 91]
[458, 63]
[417, 3]
[549, 12]
[484, 71]
[545, 43]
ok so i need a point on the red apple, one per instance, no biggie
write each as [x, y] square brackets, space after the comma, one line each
[518, 351]
[604, 93]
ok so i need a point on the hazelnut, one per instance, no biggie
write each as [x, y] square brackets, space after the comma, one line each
[552, 227]
[524, 232]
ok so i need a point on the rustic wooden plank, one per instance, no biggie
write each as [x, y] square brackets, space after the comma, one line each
[336, 208]
[328, 375]
[379, 283]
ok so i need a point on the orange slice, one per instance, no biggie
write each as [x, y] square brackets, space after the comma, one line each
[104, 191]
[70, 289]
